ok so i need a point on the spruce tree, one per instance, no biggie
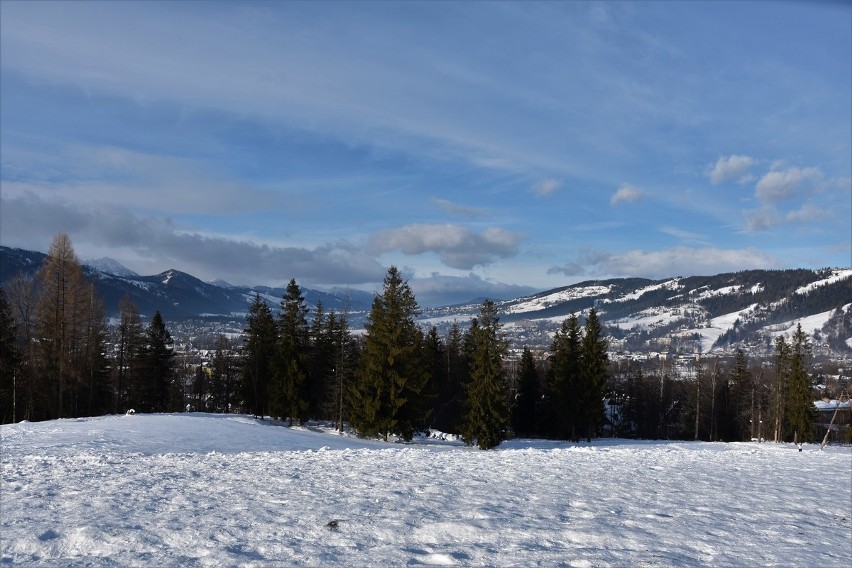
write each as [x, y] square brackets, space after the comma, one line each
[435, 362]
[259, 344]
[527, 398]
[388, 395]
[742, 398]
[564, 414]
[799, 406]
[782, 371]
[223, 375]
[158, 367]
[594, 364]
[126, 362]
[290, 363]
[487, 409]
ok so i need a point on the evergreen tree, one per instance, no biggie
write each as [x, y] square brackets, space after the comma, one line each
[291, 363]
[742, 392]
[448, 406]
[258, 350]
[158, 367]
[799, 406]
[9, 362]
[344, 356]
[527, 398]
[388, 395]
[94, 392]
[435, 362]
[782, 371]
[594, 365]
[564, 415]
[126, 366]
[487, 409]
[223, 376]
[321, 363]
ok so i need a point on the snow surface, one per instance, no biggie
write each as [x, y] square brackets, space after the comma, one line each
[636, 294]
[542, 302]
[810, 324]
[211, 490]
[836, 276]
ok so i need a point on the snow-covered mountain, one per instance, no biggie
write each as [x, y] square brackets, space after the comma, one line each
[723, 312]
[685, 314]
[175, 294]
[110, 266]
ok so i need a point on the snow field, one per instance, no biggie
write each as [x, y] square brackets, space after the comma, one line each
[131, 491]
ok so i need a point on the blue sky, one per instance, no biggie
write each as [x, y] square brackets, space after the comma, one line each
[487, 149]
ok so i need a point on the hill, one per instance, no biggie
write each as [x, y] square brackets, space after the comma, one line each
[226, 490]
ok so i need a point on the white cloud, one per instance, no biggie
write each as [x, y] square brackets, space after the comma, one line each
[778, 186]
[546, 187]
[456, 246]
[626, 193]
[665, 263]
[728, 168]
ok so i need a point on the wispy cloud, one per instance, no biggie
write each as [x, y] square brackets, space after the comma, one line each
[456, 246]
[546, 187]
[732, 168]
[686, 236]
[626, 193]
[458, 209]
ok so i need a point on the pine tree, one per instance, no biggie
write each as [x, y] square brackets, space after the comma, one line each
[258, 350]
[564, 414]
[388, 394]
[487, 409]
[126, 366]
[158, 368]
[782, 370]
[594, 365]
[435, 363]
[526, 403]
[223, 375]
[742, 391]
[95, 389]
[290, 363]
[799, 406]
[344, 356]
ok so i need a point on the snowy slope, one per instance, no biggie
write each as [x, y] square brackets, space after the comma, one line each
[204, 490]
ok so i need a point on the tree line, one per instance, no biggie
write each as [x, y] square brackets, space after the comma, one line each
[61, 359]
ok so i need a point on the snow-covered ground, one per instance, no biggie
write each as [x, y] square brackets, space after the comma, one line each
[207, 490]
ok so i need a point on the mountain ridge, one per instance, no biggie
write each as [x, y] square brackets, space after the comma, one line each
[692, 314]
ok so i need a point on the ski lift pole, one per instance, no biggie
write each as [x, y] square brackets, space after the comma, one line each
[833, 416]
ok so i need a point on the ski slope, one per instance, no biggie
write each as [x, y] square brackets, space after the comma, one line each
[210, 490]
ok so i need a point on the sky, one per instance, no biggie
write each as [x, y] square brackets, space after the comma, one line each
[485, 149]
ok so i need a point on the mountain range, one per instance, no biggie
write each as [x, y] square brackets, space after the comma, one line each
[747, 309]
